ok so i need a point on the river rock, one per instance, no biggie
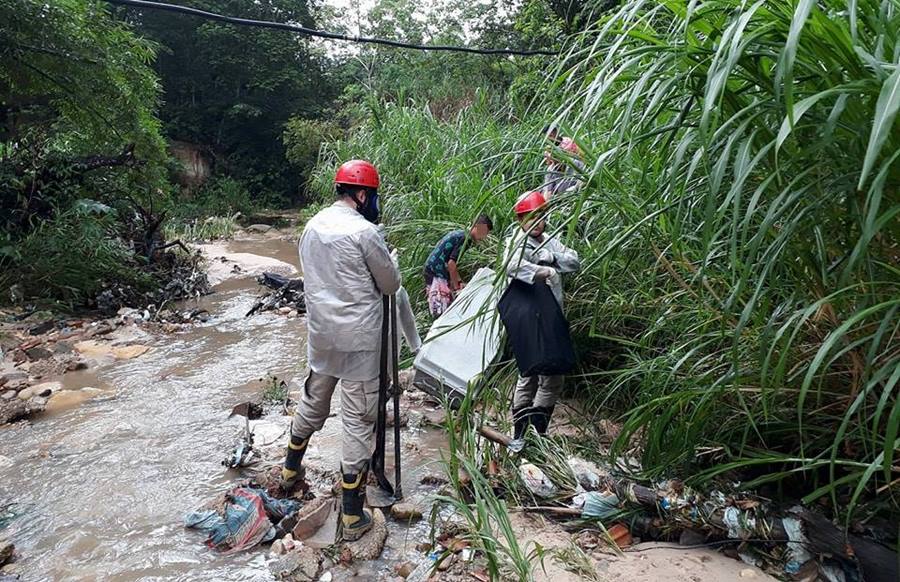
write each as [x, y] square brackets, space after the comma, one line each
[7, 549]
[277, 548]
[301, 565]
[13, 376]
[42, 328]
[370, 546]
[260, 228]
[129, 352]
[8, 395]
[405, 512]
[44, 390]
[405, 569]
[38, 353]
[436, 417]
[63, 348]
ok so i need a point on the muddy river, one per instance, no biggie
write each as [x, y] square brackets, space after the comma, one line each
[99, 487]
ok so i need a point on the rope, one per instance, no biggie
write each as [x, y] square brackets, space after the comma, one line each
[296, 28]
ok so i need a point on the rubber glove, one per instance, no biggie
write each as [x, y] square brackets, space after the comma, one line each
[544, 273]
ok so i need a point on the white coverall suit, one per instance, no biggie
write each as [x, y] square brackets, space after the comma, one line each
[347, 268]
[524, 257]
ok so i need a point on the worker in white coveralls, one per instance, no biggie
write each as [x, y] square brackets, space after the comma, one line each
[533, 256]
[347, 268]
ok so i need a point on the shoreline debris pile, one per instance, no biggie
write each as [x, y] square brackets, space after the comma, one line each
[790, 541]
[285, 295]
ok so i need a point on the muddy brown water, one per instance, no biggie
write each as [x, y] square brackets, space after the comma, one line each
[100, 487]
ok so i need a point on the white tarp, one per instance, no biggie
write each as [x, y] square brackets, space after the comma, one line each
[463, 342]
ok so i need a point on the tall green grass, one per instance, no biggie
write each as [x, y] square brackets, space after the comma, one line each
[738, 306]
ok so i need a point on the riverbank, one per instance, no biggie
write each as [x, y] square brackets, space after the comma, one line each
[97, 487]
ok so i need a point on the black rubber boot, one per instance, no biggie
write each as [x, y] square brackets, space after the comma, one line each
[356, 520]
[293, 472]
[541, 418]
[521, 420]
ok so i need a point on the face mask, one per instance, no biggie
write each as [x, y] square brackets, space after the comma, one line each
[369, 210]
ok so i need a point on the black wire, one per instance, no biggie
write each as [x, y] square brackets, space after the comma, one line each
[320, 33]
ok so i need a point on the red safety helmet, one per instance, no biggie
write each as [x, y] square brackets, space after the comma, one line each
[357, 173]
[529, 202]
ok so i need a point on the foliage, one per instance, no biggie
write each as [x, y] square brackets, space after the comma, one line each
[77, 100]
[302, 140]
[233, 88]
[737, 308]
[201, 229]
[74, 256]
[76, 106]
[742, 209]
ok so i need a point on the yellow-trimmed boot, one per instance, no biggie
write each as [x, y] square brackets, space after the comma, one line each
[293, 472]
[355, 520]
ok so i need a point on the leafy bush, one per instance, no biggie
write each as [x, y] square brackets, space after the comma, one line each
[220, 196]
[74, 256]
[302, 139]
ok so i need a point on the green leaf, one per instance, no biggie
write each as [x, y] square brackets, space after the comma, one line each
[885, 112]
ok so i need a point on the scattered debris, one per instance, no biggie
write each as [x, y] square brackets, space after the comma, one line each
[537, 482]
[286, 295]
[311, 517]
[240, 519]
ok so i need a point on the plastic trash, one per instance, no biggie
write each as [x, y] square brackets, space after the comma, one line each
[537, 482]
[243, 521]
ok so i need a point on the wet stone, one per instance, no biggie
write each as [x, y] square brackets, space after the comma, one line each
[405, 512]
[38, 353]
[370, 546]
[7, 549]
[13, 376]
[42, 328]
[260, 228]
[301, 565]
[8, 395]
[405, 569]
[63, 348]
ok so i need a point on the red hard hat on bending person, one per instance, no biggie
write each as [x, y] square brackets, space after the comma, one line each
[357, 173]
[529, 202]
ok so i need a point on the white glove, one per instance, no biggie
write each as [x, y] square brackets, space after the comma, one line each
[395, 258]
[544, 273]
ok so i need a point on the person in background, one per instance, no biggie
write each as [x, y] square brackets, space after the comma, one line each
[347, 269]
[562, 170]
[442, 280]
[533, 256]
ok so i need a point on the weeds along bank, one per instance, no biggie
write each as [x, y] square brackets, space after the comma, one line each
[738, 306]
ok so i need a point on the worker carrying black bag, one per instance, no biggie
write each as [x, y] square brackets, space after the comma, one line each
[531, 311]
[538, 330]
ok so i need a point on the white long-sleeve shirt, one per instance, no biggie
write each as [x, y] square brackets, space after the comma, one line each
[525, 255]
[347, 268]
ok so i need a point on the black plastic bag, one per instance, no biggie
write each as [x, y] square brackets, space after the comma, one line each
[538, 330]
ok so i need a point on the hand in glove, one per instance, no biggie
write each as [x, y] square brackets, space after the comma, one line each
[544, 273]
[395, 258]
[543, 257]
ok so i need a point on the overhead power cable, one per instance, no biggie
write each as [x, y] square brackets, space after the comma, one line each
[296, 28]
